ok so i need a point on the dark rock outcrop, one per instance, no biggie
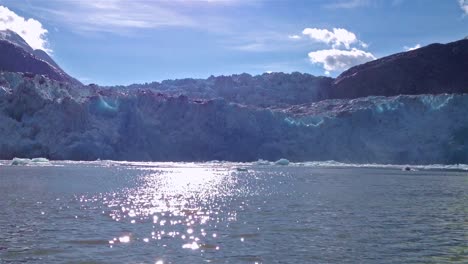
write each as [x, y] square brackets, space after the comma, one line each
[434, 69]
[17, 56]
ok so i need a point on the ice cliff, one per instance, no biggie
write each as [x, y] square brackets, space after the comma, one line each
[47, 118]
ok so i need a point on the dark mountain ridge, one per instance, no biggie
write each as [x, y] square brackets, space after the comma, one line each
[17, 56]
[433, 69]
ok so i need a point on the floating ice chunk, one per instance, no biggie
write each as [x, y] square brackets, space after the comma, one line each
[262, 162]
[283, 162]
[19, 162]
[40, 160]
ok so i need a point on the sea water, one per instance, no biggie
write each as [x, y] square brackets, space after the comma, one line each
[129, 212]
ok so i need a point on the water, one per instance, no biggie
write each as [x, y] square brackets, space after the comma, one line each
[111, 212]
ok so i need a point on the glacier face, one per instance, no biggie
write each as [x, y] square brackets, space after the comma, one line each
[268, 89]
[42, 117]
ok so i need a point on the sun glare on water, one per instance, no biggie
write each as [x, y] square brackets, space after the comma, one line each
[183, 203]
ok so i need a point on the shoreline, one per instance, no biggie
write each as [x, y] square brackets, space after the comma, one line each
[260, 163]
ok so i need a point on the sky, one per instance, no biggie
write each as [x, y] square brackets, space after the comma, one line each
[112, 42]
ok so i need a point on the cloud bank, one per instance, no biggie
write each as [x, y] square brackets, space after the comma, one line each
[117, 15]
[339, 36]
[30, 29]
[122, 17]
[340, 60]
[342, 54]
[464, 6]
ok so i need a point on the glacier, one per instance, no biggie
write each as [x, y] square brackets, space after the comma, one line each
[40, 117]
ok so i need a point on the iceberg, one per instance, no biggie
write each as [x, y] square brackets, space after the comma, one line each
[19, 162]
[22, 162]
[40, 160]
[282, 162]
[262, 162]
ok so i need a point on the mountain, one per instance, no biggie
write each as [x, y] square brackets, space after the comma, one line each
[242, 117]
[12, 37]
[434, 69]
[17, 56]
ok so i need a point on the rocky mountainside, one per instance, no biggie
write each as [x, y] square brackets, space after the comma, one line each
[44, 113]
[434, 69]
[17, 56]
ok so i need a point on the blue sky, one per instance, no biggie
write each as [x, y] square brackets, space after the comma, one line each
[123, 42]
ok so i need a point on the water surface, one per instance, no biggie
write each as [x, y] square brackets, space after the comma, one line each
[120, 212]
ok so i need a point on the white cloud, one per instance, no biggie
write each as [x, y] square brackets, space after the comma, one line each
[265, 41]
[347, 4]
[134, 14]
[294, 37]
[417, 46]
[30, 29]
[363, 44]
[124, 17]
[464, 6]
[256, 46]
[339, 60]
[115, 16]
[339, 36]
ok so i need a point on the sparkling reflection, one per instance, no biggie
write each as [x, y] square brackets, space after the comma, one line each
[186, 204]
